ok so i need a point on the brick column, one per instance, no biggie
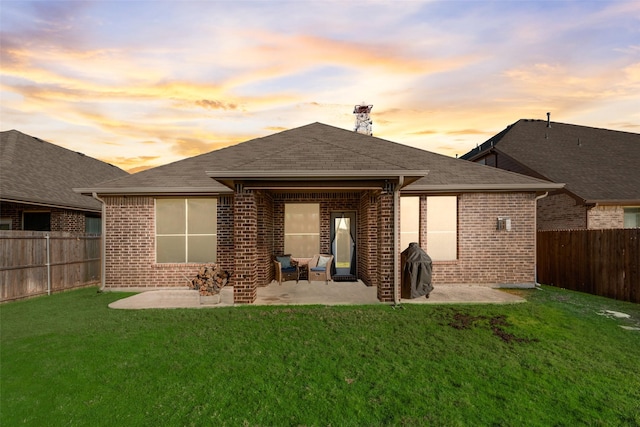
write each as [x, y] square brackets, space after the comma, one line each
[245, 231]
[385, 247]
[225, 249]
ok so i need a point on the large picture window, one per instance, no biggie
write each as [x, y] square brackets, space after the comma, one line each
[442, 224]
[302, 229]
[186, 230]
[409, 221]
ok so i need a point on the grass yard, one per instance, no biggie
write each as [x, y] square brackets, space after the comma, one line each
[70, 360]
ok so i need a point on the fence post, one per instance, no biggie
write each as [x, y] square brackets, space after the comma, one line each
[46, 236]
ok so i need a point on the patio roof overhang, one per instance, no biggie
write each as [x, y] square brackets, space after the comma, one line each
[317, 179]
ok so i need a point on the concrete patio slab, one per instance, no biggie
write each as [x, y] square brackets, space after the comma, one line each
[312, 293]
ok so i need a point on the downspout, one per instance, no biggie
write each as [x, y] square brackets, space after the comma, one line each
[396, 237]
[535, 241]
[103, 249]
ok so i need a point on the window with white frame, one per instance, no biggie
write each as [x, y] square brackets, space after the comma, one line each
[5, 223]
[409, 221]
[302, 229]
[632, 217]
[442, 225]
[186, 230]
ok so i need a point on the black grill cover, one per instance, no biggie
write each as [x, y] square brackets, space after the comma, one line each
[416, 272]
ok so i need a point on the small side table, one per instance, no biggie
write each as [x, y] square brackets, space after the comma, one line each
[303, 271]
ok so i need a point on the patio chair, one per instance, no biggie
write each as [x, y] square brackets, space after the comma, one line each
[320, 268]
[286, 268]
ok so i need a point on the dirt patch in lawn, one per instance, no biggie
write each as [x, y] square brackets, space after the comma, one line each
[496, 324]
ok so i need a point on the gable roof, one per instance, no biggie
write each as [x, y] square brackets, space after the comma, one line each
[597, 165]
[317, 151]
[37, 172]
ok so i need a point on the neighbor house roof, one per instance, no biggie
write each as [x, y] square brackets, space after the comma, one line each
[597, 165]
[319, 152]
[37, 172]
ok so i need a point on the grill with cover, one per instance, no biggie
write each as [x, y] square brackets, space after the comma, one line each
[416, 272]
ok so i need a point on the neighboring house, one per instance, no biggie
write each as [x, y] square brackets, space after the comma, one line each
[36, 186]
[303, 191]
[599, 167]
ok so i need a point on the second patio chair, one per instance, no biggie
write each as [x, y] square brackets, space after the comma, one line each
[320, 268]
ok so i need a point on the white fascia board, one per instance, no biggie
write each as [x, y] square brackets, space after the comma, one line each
[475, 188]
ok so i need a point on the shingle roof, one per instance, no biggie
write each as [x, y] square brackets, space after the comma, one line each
[316, 149]
[597, 165]
[36, 171]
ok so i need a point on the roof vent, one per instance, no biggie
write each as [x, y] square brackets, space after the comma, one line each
[548, 120]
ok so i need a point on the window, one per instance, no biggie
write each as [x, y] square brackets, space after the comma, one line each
[92, 224]
[302, 229]
[631, 217]
[442, 235]
[186, 230]
[409, 221]
[5, 223]
[36, 221]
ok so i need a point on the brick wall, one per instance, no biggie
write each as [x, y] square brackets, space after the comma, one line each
[245, 234]
[67, 220]
[224, 250]
[385, 248]
[130, 247]
[251, 230]
[560, 212]
[265, 254]
[487, 255]
[329, 202]
[368, 238]
[600, 217]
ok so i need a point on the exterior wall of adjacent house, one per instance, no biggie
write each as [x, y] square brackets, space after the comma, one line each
[600, 217]
[72, 221]
[560, 212]
[487, 255]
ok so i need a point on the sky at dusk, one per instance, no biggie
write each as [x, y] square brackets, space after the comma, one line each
[144, 83]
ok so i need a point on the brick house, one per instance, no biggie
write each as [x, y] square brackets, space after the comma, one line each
[319, 189]
[36, 186]
[598, 166]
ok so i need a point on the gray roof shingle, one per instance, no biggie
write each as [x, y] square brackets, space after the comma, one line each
[36, 171]
[316, 148]
[597, 165]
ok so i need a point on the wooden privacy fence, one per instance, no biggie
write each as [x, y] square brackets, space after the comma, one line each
[599, 262]
[38, 262]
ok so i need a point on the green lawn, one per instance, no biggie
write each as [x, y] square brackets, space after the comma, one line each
[70, 360]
